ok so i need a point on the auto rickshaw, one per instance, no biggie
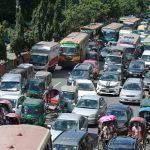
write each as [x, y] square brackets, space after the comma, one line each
[68, 98]
[33, 112]
[12, 119]
[109, 121]
[36, 88]
[145, 103]
[142, 136]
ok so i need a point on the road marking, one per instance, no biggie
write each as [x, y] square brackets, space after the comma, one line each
[57, 84]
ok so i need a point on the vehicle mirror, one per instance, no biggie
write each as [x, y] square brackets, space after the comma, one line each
[49, 126]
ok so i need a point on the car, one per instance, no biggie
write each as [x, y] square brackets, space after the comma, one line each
[109, 83]
[16, 100]
[80, 71]
[146, 58]
[68, 121]
[104, 52]
[132, 91]
[146, 80]
[85, 87]
[90, 106]
[123, 143]
[96, 67]
[113, 59]
[123, 114]
[73, 140]
[136, 69]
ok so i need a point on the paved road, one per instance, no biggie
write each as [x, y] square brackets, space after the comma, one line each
[60, 78]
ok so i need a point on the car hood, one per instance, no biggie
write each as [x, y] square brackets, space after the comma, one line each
[55, 133]
[84, 111]
[108, 83]
[135, 70]
[146, 80]
[82, 92]
[130, 92]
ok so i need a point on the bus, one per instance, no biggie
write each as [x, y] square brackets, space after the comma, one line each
[25, 137]
[73, 49]
[111, 31]
[129, 24]
[93, 29]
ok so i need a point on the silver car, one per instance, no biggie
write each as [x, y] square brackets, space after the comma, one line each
[68, 121]
[90, 106]
[132, 90]
[147, 80]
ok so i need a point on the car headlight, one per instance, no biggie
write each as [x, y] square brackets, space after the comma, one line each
[130, 72]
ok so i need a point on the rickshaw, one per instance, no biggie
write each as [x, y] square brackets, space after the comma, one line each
[52, 101]
[12, 119]
[111, 122]
[143, 133]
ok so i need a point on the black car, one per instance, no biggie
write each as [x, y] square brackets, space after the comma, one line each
[81, 71]
[123, 114]
[136, 69]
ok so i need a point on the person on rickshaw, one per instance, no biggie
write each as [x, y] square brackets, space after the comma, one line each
[136, 132]
[113, 130]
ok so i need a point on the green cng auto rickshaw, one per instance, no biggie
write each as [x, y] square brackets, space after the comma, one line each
[68, 98]
[32, 112]
[36, 88]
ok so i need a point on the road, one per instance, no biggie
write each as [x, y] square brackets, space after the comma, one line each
[60, 79]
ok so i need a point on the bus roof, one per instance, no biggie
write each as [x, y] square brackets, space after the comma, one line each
[113, 26]
[74, 37]
[20, 137]
[132, 19]
[92, 26]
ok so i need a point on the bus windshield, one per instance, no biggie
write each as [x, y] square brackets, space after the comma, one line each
[69, 51]
[38, 59]
[128, 25]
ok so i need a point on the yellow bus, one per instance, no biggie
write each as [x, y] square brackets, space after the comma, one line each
[73, 49]
[93, 29]
[25, 137]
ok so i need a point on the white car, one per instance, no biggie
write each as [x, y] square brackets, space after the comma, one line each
[85, 87]
[146, 59]
[132, 91]
[109, 83]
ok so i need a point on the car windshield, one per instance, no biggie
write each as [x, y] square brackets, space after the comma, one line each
[34, 86]
[146, 47]
[87, 103]
[136, 66]
[10, 86]
[120, 114]
[109, 77]
[147, 75]
[109, 34]
[29, 110]
[146, 57]
[70, 51]
[64, 147]
[67, 96]
[114, 68]
[113, 59]
[12, 101]
[105, 49]
[39, 59]
[86, 86]
[62, 125]
[129, 50]
[132, 86]
[80, 73]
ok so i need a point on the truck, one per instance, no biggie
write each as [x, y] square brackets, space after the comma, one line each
[44, 56]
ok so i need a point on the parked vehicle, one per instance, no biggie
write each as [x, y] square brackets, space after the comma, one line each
[73, 140]
[47, 76]
[32, 112]
[11, 84]
[91, 106]
[68, 98]
[146, 59]
[73, 49]
[44, 55]
[36, 88]
[85, 87]
[96, 67]
[109, 83]
[132, 91]
[136, 69]
[123, 114]
[147, 80]
[80, 71]
[111, 31]
[68, 121]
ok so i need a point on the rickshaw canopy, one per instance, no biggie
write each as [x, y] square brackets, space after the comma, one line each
[137, 119]
[6, 102]
[13, 115]
[107, 118]
[144, 109]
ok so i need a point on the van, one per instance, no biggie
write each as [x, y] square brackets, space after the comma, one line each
[46, 76]
[11, 84]
[81, 71]
[78, 140]
[146, 59]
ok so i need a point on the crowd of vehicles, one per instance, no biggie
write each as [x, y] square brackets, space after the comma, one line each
[27, 94]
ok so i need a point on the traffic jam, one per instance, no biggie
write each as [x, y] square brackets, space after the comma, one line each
[104, 61]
